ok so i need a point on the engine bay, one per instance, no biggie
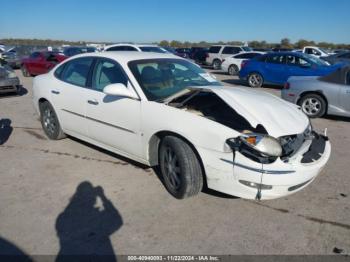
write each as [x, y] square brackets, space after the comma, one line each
[210, 106]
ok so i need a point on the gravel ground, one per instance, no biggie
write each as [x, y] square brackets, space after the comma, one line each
[48, 188]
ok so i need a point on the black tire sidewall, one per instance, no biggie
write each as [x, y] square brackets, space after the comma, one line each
[185, 156]
[234, 68]
[43, 106]
[216, 61]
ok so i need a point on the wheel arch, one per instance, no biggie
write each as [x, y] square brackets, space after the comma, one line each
[153, 149]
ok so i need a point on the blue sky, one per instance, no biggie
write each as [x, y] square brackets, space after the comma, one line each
[192, 20]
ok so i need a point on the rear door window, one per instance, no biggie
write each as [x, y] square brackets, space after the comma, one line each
[231, 50]
[275, 59]
[76, 71]
[214, 49]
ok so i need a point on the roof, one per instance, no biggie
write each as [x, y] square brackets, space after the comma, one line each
[128, 44]
[127, 56]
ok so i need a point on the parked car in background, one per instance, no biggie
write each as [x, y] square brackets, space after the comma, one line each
[136, 47]
[316, 51]
[280, 49]
[317, 96]
[170, 49]
[183, 52]
[76, 50]
[9, 82]
[200, 56]
[232, 64]
[275, 68]
[343, 57]
[241, 142]
[195, 49]
[217, 53]
[12, 58]
[265, 50]
[40, 62]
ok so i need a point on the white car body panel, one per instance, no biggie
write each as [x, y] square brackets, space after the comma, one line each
[128, 127]
[233, 60]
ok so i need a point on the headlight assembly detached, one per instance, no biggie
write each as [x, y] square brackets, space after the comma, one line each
[258, 147]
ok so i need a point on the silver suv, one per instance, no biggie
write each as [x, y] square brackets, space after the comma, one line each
[217, 53]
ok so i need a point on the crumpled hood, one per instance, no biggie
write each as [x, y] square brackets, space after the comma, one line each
[278, 117]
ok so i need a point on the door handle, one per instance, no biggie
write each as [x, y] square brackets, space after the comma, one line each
[55, 92]
[93, 102]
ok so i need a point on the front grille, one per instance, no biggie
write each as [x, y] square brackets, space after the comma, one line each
[291, 144]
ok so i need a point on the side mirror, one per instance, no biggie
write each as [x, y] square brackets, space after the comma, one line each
[119, 89]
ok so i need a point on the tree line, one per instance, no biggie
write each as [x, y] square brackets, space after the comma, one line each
[284, 43]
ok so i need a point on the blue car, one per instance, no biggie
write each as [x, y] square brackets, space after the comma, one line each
[275, 68]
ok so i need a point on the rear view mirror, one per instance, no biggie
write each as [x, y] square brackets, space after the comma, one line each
[119, 89]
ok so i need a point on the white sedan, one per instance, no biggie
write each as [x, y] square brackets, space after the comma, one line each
[232, 64]
[162, 110]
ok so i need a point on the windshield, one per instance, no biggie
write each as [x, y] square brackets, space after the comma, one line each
[315, 60]
[247, 49]
[154, 49]
[162, 77]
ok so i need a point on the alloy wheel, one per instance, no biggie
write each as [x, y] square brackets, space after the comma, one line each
[311, 106]
[172, 169]
[255, 80]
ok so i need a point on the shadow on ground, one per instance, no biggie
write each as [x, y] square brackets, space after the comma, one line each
[338, 118]
[10, 252]
[5, 130]
[22, 91]
[86, 224]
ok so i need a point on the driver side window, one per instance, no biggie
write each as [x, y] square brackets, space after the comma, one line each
[107, 72]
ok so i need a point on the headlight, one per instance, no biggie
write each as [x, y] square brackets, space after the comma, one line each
[264, 144]
[258, 147]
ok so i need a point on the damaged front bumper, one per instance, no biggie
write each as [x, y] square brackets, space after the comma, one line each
[242, 177]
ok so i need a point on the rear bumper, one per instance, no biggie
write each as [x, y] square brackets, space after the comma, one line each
[289, 95]
[279, 178]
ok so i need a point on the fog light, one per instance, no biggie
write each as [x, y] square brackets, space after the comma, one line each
[255, 185]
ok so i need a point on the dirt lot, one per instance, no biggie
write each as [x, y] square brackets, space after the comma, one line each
[43, 200]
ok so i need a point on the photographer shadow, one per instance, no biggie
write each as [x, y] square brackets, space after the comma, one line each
[84, 229]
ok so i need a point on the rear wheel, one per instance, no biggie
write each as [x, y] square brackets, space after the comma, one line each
[233, 70]
[216, 64]
[313, 105]
[49, 121]
[180, 168]
[25, 71]
[255, 80]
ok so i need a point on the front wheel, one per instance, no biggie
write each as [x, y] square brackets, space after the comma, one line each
[255, 80]
[313, 105]
[180, 168]
[49, 122]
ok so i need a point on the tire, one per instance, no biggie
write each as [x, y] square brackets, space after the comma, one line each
[313, 105]
[25, 72]
[180, 169]
[49, 122]
[255, 80]
[216, 64]
[233, 70]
